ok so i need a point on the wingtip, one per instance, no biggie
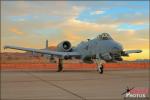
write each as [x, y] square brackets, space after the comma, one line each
[139, 51]
[6, 46]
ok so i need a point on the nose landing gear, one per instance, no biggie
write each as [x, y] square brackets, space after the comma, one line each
[100, 68]
[100, 65]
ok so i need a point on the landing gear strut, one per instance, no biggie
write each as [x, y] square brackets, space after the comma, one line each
[100, 66]
[60, 65]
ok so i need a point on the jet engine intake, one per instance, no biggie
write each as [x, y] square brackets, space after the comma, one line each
[64, 46]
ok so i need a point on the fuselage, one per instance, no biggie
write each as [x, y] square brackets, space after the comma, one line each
[106, 49]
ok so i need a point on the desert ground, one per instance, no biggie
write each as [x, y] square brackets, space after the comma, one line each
[70, 85]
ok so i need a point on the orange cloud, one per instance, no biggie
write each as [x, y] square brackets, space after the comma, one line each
[16, 31]
[72, 36]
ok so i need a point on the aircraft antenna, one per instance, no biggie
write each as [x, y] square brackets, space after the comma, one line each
[46, 44]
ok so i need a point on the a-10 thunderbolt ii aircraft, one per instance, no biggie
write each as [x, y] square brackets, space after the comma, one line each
[100, 49]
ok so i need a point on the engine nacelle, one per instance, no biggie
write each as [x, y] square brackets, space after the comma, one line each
[64, 46]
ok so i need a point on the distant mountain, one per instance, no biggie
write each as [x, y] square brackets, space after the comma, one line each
[142, 60]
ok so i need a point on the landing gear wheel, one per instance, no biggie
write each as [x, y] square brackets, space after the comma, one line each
[101, 69]
[60, 65]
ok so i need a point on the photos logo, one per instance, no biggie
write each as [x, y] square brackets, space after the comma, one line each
[136, 92]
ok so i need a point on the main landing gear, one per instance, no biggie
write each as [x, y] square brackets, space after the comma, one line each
[60, 65]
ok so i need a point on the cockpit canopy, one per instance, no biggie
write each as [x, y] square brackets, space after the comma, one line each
[104, 36]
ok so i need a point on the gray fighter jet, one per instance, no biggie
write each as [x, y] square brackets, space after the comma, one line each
[99, 50]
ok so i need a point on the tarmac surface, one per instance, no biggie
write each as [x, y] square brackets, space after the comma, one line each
[70, 85]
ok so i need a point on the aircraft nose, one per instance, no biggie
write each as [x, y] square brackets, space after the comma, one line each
[117, 48]
[120, 47]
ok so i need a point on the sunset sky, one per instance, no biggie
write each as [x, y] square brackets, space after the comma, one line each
[30, 23]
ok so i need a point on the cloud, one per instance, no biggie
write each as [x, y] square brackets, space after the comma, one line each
[68, 35]
[129, 32]
[126, 18]
[58, 20]
[97, 12]
[16, 31]
[40, 8]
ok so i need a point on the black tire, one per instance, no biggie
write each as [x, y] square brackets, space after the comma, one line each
[60, 68]
[101, 70]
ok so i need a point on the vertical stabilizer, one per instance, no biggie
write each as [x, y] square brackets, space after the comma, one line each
[46, 47]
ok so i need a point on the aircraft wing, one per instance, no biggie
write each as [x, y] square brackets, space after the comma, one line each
[55, 53]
